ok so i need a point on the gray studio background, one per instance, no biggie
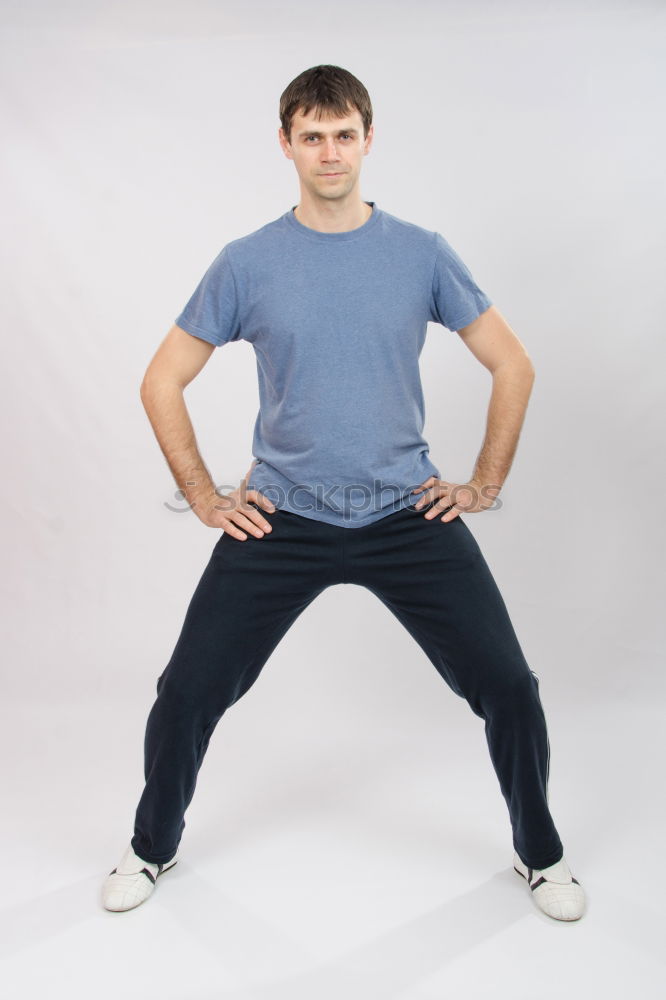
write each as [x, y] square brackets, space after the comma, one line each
[348, 835]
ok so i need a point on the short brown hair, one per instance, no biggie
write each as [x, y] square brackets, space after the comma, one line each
[330, 89]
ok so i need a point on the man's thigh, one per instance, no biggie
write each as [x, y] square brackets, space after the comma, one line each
[248, 596]
[434, 578]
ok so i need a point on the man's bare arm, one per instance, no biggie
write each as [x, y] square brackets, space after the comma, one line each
[492, 341]
[178, 360]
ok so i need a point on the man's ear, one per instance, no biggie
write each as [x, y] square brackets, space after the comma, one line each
[368, 140]
[285, 144]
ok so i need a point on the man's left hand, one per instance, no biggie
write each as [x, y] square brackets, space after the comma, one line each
[455, 498]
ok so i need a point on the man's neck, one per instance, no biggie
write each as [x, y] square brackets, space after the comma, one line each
[332, 217]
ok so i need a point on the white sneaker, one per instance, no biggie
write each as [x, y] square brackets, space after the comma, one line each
[132, 881]
[554, 889]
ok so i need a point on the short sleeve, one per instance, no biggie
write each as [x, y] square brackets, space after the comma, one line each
[213, 312]
[456, 298]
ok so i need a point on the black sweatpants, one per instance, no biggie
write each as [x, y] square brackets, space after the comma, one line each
[430, 574]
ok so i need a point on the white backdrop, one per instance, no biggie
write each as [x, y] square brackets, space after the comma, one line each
[137, 140]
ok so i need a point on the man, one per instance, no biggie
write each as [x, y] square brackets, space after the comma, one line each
[335, 297]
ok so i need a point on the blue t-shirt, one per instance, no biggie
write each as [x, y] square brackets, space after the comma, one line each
[337, 322]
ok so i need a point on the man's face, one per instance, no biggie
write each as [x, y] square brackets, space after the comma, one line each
[327, 153]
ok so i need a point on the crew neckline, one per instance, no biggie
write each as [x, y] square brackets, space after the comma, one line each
[343, 237]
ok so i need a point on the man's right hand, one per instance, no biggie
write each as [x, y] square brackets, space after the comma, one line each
[233, 511]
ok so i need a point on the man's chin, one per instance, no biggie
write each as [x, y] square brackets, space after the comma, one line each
[334, 193]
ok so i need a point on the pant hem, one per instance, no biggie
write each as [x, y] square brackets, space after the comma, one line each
[552, 859]
[155, 861]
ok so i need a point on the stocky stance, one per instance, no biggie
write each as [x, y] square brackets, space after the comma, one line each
[336, 296]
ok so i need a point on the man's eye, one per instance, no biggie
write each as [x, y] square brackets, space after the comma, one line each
[343, 135]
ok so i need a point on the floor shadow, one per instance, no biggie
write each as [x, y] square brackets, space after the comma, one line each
[24, 925]
[397, 959]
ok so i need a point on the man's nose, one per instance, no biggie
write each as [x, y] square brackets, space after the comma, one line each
[331, 149]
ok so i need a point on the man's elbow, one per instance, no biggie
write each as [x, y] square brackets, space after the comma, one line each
[144, 388]
[519, 364]
[154, 383]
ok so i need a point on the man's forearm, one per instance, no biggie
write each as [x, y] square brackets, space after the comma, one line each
[512, 385]
[164, 404]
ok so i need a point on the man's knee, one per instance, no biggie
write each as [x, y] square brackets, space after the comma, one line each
[507, 694]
